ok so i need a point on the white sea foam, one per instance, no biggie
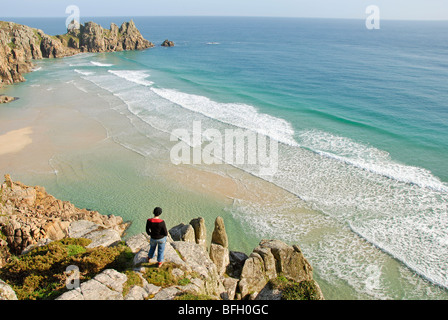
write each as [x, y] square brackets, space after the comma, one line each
[79, 64]
[84, 73]
[236, 114]
[99, 64]
[136, 76]
[79, 87]
[368, 158]
[319, 239]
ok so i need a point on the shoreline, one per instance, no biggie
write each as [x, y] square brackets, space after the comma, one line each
[233, 185]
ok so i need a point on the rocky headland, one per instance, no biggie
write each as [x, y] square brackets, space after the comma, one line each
[20, 45]
[42, 237]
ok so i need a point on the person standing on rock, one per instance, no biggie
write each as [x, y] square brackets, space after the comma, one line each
[156, 229]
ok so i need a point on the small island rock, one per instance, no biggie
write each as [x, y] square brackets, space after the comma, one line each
[168, 43]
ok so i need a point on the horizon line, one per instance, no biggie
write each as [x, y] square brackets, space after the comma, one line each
[222, 16]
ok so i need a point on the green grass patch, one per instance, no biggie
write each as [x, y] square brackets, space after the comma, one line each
[65, 38]
[183, 281]
[12, 45]
[2, 236]
[162, 277]
[74, 249]
[36, 33]
[40, 274]
[133, 280]
[304, 290]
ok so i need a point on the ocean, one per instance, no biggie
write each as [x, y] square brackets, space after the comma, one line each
[360, 117]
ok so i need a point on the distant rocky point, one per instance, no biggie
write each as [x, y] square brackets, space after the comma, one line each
[20, 44]
[168, 43]
[46, 235]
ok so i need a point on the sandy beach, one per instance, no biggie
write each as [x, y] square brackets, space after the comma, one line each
[15, 141]
[228, 184]
[33, 138]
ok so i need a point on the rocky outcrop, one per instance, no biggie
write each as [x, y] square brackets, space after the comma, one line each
[93, 38]
[219, 235]
[219, 251]
[270, 259]
[195, 231]
[253, 278]
[286, 260]
[189, 257]
[19, 45]
[6, 99]
[29, 215]
[200, 231]
[130, 37]
[197, 259]
[30, 218]
[107, 285]
[5, 253]
[167, 43]
[236, 263]
[6, 292]
[99, 235]
[182, 232]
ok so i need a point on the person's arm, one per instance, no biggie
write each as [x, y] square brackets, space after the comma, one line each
[148, 228]
[164, 231]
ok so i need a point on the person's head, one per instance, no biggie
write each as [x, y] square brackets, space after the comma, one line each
[157, 211]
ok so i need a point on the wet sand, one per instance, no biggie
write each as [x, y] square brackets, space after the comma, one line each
[15, 141]
[52, 130]
[230, 184]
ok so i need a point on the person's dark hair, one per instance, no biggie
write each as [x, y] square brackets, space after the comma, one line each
[157, 211]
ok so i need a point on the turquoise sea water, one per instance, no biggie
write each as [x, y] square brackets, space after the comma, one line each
[361, 117]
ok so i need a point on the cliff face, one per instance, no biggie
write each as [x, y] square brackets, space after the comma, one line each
[19, 45]
[29, 215]
[93, 38]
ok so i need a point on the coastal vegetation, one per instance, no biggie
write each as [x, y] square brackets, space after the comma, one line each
[40, 274]
[290, 290]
